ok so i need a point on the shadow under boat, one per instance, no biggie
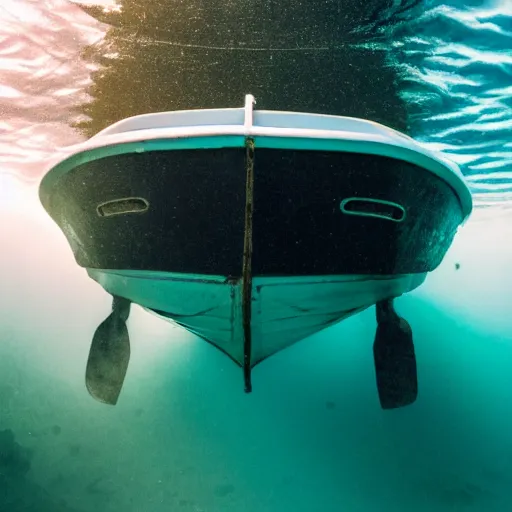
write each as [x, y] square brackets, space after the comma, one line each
[255, 229]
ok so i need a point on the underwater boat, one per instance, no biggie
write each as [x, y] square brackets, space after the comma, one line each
[255, 229]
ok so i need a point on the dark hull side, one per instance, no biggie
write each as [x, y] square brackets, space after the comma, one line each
[195, 218]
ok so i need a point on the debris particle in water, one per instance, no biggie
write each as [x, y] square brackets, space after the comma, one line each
[224, 490]
[74, 450]
[94, 486]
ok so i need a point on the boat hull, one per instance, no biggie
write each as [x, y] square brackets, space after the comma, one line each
[284, 309]
[255, 229]
[188, 213]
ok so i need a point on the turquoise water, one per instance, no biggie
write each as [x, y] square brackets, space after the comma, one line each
[311, 436]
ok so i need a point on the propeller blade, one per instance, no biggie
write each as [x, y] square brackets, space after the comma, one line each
[109, 355]
[395, 362]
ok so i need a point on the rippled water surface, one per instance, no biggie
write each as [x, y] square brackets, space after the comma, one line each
[312, 436]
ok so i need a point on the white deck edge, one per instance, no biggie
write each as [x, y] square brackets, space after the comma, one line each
[230, 127]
